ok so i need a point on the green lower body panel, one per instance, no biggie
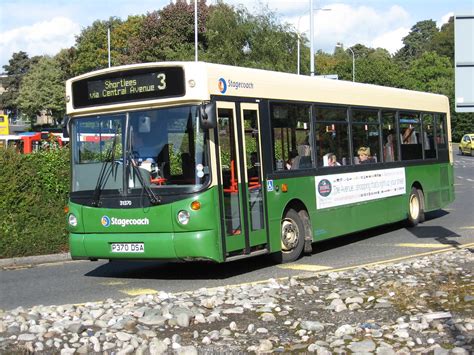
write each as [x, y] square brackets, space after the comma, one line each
[197, 245]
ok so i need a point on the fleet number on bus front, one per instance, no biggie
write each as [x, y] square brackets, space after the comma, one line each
[128, 248]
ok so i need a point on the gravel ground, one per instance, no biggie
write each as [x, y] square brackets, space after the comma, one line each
[422, 306]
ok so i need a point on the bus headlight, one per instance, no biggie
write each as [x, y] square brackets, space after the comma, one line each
[183, 217]
[72, 220]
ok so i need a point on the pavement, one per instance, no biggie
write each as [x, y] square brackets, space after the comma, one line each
[34, 260]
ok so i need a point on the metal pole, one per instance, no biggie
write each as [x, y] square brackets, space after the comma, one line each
[311, 34]
[298, 61]
[195, 31]
[108, 43]
[353, 64]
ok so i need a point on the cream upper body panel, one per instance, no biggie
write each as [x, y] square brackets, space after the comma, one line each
[246, 82]
[202, 80]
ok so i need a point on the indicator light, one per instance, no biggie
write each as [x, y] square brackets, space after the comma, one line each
[284, 188]
[66, 209]
[195, 205]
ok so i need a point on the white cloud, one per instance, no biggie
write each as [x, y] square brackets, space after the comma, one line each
[357, 24]
[46, 37]
[392, 40]
[444, 19]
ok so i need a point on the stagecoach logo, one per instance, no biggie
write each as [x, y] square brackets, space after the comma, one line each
[222, 85]
[123, 222]
[105, 221]
[324, 188]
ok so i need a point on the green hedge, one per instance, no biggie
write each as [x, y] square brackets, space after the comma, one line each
[33, 192]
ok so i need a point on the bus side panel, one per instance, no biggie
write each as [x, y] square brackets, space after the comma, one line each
[436, 182]
[201, 237]
[300, 190]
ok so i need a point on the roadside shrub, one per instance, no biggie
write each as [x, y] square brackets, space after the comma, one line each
[33, 192]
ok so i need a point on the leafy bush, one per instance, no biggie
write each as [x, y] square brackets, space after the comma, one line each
[33, 192]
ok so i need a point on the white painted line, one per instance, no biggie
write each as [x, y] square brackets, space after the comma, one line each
[421, 245]
[305, 267]
[139, 291]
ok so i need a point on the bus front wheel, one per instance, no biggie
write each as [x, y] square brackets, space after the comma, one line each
[416, 213]
[292, 236]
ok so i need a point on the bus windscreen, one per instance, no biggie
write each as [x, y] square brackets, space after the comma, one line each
[127, 86]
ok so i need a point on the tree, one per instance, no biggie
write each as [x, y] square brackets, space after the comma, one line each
[168, 34]
[417, 41]
[270, 44]
[121, 36]
[92, 48]
[42, 89]
[65, 59]
[428, 72]
[443, 41]
[224, 46]
[16, 69]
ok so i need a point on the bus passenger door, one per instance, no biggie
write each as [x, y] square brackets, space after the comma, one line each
[241, 201]
[251, 166]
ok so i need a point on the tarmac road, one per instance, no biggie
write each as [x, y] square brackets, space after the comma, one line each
[67, 282]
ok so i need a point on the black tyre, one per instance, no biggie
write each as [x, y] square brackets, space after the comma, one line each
[460, 151]
[416, 213]
[292, 237]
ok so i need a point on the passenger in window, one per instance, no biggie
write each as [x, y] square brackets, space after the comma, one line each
[364, 155]
[332, 160]
[290, 163]
[389, 148]
[409, 136]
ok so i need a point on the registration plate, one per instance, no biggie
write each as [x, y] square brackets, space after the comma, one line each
[128, 248]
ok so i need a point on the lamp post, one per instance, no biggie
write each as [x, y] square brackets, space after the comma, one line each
[195, 31]
[340, 45]
[108, 45]
[298, 61]
[311, 29]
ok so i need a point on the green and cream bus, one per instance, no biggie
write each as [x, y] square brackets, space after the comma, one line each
[199, 161]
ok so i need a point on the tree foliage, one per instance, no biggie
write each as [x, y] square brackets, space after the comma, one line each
[42, 90]
[168, 34]
[417, 41]
[18, 66]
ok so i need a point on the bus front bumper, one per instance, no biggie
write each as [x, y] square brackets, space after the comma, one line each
[197, 245]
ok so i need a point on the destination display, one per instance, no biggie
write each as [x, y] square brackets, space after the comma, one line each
[126, 86]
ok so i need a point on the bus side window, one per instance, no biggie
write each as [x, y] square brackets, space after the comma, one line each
[389, 136]
[366, 134]
[410, 139]
[291, 131]
[331, 135]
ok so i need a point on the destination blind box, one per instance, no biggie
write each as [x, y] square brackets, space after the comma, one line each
[128, 86]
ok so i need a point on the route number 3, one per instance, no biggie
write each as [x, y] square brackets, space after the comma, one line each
[161, 81]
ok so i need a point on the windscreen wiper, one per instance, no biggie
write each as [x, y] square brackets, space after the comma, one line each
[105, 171]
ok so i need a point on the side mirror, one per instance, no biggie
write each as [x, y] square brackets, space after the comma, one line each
[65, 126]
[208, 115]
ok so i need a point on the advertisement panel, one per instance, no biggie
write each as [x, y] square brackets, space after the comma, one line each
[343, 189]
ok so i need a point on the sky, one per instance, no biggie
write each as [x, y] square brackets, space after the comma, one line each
[47, 26]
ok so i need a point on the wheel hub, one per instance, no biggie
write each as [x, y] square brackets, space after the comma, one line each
[414, 207]
[289, 235]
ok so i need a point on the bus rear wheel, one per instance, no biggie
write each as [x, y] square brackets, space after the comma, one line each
[416, 214]
[292, 236]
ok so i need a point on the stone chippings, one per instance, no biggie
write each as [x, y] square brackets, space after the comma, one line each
[392, 309]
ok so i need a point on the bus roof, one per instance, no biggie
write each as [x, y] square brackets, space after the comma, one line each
[203, 80]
